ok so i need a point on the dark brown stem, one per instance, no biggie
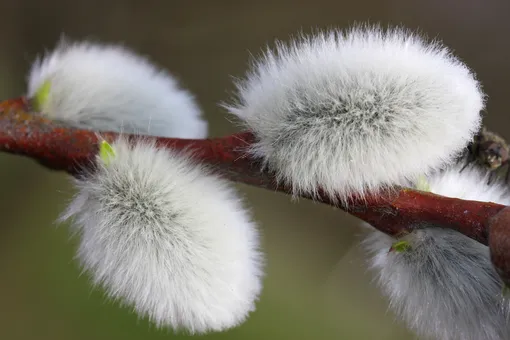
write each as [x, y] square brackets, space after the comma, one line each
[499, 244]
[63, 148]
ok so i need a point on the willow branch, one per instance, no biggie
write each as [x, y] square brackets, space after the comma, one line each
[60, 147]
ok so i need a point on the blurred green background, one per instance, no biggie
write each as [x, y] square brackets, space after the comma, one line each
[317, 284]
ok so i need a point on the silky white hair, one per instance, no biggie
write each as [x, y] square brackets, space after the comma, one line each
[164, 236]
[444, 286]
[110, 88]
[354, 111]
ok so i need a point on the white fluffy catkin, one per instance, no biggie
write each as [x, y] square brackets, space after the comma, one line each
[110, 88]
[163, 236]
[444, 286]
[354, 111]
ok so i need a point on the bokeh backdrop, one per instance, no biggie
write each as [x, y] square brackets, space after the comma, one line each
[317, 284]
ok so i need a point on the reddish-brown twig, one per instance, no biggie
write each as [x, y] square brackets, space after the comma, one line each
[63, 148]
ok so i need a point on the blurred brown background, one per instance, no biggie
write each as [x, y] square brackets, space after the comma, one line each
[317, 285]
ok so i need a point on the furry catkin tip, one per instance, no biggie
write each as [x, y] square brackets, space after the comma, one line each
[351, 112]
[444, 285]
[110, 88]
[163, 236]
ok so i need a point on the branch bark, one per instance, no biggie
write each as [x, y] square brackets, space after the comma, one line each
[396, 212]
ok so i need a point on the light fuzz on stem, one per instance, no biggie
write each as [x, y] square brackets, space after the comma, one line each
[443, 285]
[162, 235]
[351, 112]
[110, 88]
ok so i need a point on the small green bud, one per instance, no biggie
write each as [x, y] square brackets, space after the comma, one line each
[506, 291]
[106, 152]
[41, 96]
[400, 246]
[422, 184]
